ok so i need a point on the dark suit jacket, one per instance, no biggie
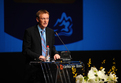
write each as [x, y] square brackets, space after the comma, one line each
[32, 48]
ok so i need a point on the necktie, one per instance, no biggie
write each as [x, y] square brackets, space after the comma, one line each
[43, 43]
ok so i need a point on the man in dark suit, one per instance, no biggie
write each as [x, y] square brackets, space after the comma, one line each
[32, 46]
[32, 41]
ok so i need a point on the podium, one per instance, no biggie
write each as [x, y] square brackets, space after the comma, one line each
[59, 72]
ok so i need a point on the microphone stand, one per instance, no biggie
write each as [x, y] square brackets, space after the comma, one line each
[63, 44]
[61, 41]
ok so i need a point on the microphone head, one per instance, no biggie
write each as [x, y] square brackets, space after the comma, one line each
[56, 33]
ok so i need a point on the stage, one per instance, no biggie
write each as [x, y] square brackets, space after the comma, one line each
[13, 64]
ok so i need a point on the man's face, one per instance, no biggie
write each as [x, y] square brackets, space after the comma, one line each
[43, 20]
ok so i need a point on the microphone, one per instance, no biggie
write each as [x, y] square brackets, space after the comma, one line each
[65, 55]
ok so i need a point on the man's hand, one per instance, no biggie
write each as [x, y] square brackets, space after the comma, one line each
[42, 58]
[56, 56]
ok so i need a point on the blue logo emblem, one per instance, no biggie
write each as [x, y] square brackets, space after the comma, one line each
[64, 25]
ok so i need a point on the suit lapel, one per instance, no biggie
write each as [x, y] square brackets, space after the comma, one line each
[37, 33]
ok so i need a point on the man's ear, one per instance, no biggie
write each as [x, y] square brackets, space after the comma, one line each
[37, 19]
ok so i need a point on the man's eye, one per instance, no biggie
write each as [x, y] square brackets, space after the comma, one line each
[45, 18]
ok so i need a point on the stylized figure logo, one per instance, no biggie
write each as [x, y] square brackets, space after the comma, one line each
[64, 25]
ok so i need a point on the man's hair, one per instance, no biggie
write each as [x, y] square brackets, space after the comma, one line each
[41, 12]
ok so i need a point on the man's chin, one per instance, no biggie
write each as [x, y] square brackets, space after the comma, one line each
[45, 26]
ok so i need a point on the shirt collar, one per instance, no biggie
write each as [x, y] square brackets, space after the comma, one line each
[39, 28]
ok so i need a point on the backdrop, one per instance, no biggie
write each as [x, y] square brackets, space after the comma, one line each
[82, 24]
